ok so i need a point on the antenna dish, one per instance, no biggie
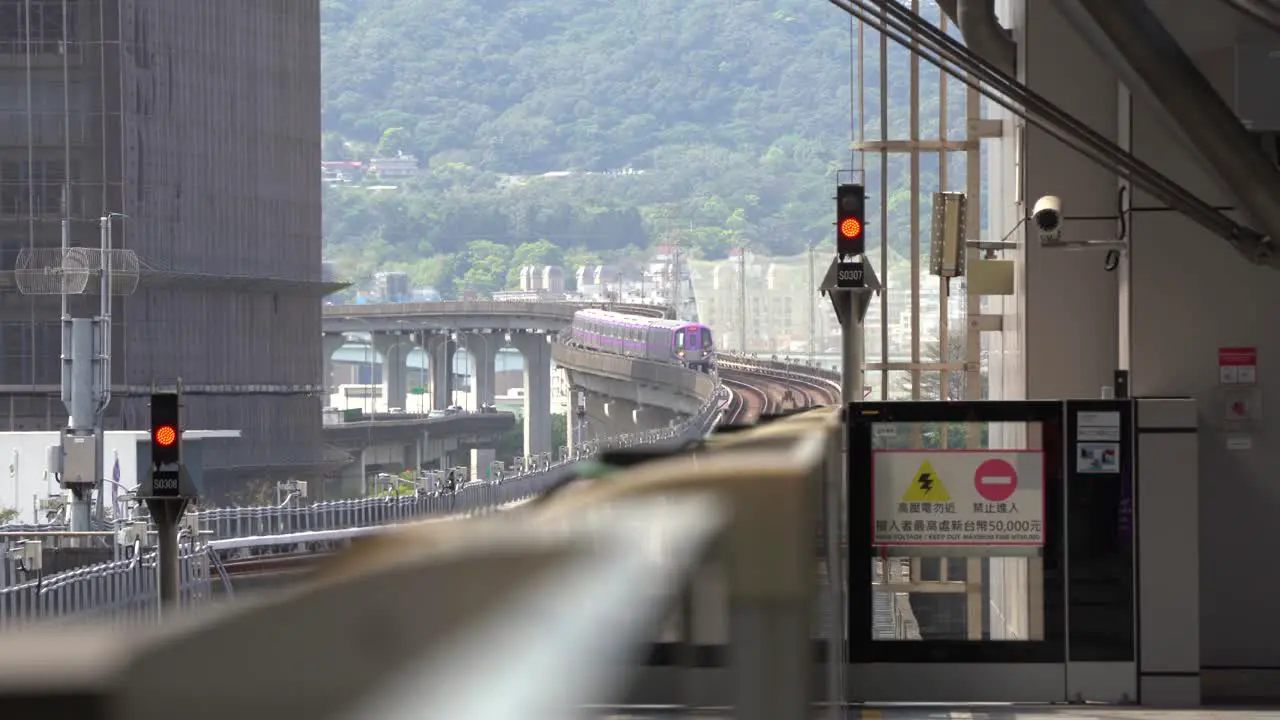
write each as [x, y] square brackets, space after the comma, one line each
[53, 271]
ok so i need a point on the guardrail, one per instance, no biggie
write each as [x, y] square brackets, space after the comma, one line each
[781, 369]
[123, 591]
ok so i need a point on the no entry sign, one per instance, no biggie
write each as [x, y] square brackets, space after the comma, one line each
[995, 480]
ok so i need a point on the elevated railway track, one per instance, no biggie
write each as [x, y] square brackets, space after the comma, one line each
[759, 388]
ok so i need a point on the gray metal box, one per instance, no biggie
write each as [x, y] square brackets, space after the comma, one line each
[1256, 87]
[79, 457]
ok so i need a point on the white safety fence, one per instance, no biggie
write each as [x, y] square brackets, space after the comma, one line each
[125, 589]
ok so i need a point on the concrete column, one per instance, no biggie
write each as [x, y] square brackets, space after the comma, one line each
[482, 464]
[441, 350]
[484, 351]
[576, 421]
[330, 344]
[394, 350]
[597, 417]
[620, 418]
[412, 456]
[649, 418]
[1051, 348]
[435, 452]
[352, 479]
[537, 392]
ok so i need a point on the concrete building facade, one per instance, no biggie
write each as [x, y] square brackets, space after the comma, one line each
[199, 122]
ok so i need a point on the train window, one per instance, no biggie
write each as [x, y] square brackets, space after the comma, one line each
[706, 338]
[680, 338]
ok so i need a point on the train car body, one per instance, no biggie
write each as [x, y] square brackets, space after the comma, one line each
[667, 341]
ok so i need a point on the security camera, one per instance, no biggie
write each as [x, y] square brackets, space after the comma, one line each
[1047, 217]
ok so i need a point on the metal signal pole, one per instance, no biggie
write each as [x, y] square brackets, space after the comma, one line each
[86, 353]
[813, 309]
[742, 299]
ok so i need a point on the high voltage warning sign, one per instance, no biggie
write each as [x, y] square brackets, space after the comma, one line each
[926, 487]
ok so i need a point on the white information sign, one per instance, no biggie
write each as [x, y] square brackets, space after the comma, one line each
[958, 497]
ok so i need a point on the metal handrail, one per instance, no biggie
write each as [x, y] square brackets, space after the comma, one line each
[545, 643]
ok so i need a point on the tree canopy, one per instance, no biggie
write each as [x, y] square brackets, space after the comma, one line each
[570, 130]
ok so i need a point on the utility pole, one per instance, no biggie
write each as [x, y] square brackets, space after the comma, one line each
[675, 279]
[742, 299]
[86, 354]
[813, 309]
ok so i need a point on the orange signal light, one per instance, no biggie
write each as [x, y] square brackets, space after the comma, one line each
[851, 228]
[166, 435]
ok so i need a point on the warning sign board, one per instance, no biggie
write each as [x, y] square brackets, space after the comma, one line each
[981, 498]
[926, 487]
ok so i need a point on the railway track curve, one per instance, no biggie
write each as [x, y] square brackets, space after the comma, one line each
[760, 389]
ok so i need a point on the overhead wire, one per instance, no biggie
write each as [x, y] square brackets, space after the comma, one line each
[1264, 12]
[912, 32]
[1021, 101]
[1117, 158]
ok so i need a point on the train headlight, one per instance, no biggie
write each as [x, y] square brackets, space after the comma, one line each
[680, 354]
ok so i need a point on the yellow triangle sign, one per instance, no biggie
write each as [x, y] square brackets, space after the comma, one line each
[926, 486]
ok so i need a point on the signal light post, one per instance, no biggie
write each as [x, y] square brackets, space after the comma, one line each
[851, 283]
[851, 220]
[167, 488]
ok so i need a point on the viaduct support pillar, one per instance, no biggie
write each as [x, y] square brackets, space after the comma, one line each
[537, 393]
[650, 418]
[484, 350]
[413, 456]
[576, 420]
[482, 464]
[394, 350]
[352, 482]
[620, 418]
[330, 344]
[441, 348]
[597, 417]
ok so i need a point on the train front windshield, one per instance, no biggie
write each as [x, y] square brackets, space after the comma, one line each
[706, 338]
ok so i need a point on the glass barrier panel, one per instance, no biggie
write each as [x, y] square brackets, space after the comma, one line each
[959, 528]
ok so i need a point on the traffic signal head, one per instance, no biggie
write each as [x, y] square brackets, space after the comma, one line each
[851, 203]
[166, 430]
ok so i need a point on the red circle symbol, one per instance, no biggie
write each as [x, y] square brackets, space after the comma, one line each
[995, 480]
[851, 228]
[166, 435]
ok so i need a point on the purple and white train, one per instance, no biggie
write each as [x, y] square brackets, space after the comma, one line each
[666, 341]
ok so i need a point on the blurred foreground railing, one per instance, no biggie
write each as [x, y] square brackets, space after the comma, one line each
[514, 486]
[125, 588]
[552, 607]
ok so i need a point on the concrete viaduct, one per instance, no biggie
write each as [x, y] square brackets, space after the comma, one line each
[621, 394]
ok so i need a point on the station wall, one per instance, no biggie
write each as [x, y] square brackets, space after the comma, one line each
[1180, 296]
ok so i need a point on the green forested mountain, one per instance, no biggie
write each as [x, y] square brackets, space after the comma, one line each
[716, 123]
